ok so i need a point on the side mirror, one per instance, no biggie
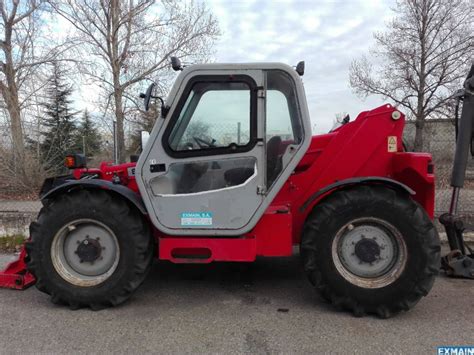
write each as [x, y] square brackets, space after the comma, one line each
[144, 138]
[147, 96]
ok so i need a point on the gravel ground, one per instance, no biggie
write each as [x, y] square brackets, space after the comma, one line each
[265, 307]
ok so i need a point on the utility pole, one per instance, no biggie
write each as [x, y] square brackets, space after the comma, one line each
[238, 133]
[115, 143]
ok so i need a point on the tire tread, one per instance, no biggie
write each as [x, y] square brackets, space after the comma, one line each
[416, 216]
[83, 199]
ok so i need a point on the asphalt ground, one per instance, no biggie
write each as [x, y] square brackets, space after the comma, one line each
[264, 307]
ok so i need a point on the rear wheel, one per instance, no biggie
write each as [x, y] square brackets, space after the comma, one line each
[370, 249]
[89, 248]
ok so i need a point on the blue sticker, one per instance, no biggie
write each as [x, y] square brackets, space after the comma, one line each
[196, 219]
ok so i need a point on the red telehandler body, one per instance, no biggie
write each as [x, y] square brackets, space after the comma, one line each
[357, 204]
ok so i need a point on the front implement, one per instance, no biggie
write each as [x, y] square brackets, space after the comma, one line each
[460, 261]
[16, 276]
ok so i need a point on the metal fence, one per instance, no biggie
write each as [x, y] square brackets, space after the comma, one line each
[18, 209]
[439, 140]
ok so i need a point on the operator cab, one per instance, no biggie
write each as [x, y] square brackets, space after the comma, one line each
[231, 138]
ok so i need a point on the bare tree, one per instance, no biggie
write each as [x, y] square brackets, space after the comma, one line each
[18, 30]
[130, 40]
[422, 58]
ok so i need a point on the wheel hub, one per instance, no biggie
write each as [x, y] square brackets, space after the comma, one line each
[89, 250]
[367, 250]
[85, 252]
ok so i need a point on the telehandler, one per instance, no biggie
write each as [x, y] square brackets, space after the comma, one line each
[230, 172]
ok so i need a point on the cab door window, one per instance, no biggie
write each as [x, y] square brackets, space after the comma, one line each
[215, 118]
[283, 121]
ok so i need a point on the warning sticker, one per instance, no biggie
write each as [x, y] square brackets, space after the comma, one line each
[196, 219]
[392, 144]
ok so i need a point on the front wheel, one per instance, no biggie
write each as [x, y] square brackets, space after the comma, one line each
[370, 249]
[89, 248]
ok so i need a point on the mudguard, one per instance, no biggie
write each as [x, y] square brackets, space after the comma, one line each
[356, 181]
[91, 184]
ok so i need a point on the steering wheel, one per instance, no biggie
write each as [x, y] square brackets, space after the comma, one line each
[203, 143]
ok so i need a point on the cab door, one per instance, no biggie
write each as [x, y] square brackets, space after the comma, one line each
[203, 171]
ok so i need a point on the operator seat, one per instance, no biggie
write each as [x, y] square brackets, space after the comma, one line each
[237, 176]
[274, 159]
[190, 176]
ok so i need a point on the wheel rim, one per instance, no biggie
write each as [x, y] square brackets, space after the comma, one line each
[85, 252]
[369, 252]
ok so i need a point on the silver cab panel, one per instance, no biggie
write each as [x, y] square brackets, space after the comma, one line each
[232, 137]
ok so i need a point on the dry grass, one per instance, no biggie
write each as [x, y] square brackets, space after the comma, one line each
[11, 243]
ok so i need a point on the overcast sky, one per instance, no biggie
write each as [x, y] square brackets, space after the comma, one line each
[327, 35]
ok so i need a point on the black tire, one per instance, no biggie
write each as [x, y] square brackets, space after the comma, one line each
[419, 235]
[132, 234]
